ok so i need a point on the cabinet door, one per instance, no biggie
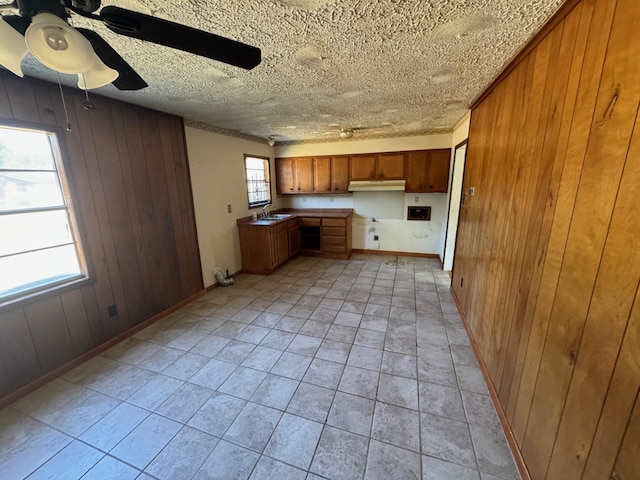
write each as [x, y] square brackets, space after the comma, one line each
[273, 247]
[363, 167]
[285, 178]
[294, 241]
[282, 246]
[438, 174]
[391, 166]
[304, 175]
[322, 174]
[417, 164]
[340, 173]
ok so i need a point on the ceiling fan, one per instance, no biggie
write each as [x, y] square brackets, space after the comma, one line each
[347, 132]
[41, 27]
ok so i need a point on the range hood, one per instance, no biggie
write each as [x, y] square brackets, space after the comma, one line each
[376, 186]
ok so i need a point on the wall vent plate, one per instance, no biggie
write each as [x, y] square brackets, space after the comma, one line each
[419, 213]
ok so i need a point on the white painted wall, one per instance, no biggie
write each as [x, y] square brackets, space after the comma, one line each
[217, 170]
[460, 133]
[395, 232]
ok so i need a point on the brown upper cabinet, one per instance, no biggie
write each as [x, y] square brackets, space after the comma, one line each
[324, 174]
[321, 174]
[340, 173]
[428, 171]
[425, 171]
[294, 175]
[380, 166]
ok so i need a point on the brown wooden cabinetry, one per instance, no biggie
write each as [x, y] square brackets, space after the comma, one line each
[321, 174]
[294, 237]
[340, 173]
[336, 237]
[294, 175]
[391, 166]
[282, 242]
[285, 176]
[263, 248]
[425, 171]
[363, 167]
[325, 174]
[428, 171]
[304, 174]
[380, 166]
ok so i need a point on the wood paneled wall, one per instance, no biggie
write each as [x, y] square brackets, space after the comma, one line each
[128, 173]
[547, 263]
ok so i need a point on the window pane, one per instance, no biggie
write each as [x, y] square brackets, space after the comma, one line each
[25, 150]
[255, 163]
[21, 190]
[258, 187]
[30, 231]
[27, 271]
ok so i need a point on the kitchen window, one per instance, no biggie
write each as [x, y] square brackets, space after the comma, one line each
[258, 181]
[39, 242]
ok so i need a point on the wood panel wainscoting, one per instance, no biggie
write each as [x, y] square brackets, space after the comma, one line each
[547, 263]
[128, 172]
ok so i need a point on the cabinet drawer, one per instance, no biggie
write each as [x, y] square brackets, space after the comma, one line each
[334, 231]
[293, 223]
[334, 241]
[334, 222]
[281, 227]
[313, 222]
[334, 248]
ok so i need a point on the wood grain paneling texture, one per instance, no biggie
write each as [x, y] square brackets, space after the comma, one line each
[547, 266]
[128, 172]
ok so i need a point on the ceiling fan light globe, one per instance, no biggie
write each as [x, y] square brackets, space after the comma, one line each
[12, 48]
[99, 76]
[346, 133]
[59, 46]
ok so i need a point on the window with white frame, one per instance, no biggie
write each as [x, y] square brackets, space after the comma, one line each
[39, 243]
[258, 181]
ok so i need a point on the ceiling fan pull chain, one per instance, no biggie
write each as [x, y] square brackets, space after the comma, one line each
[64, 104]
[88, 104]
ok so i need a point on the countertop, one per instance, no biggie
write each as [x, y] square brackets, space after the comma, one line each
[298, 212]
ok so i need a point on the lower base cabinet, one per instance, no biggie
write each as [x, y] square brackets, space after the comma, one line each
[265, 247]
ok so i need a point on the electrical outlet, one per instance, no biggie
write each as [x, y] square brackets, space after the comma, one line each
[112, 310]
[229, 208]
[376, 238]
[416, 198]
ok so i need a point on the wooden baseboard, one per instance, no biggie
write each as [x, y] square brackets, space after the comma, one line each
[61, 370]
[508, 433]
[400, 254]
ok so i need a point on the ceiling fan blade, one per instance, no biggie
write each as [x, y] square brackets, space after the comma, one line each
[180, 37]
[128, 78]
[17, 22]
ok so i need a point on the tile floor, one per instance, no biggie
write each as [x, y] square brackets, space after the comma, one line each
[326, 369]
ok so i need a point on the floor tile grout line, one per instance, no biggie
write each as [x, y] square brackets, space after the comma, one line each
[379, 371]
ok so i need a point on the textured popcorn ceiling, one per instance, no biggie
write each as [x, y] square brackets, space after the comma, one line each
[385, 68]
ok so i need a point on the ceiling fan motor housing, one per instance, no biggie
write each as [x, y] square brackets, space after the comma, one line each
[29, 8]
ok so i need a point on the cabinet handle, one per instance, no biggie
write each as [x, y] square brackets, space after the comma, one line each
[329, 188]
[381, 175]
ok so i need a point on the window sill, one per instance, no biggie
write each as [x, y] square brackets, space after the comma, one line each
[46, 292]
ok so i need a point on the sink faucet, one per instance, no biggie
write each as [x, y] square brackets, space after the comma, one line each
[265, 214]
